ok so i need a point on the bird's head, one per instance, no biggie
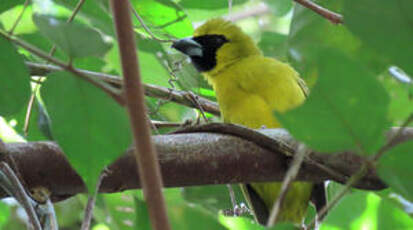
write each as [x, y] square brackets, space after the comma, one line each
[215, 45]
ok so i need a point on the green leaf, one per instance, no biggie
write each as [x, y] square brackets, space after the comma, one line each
[211, 5]
[164, 17]
[14, 80]
[5, 214]
[117, 211]
[396, 170]
[346, 110]
[76, 40]
[96, 12]
[214, 198]
[385, 26]
[401, 103]
[274, 45]
[25, 25]
[310, 33]
[280, 7]
[89, 126]
[391, 217]
[8, 4]
[142, 215]
[240, 223]
[363, 207]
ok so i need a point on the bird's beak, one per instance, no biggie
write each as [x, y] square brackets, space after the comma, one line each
[188, 46]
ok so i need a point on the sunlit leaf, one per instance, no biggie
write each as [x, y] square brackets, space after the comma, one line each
[164, 17]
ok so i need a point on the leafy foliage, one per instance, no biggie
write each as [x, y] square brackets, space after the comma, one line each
[102, 127]
[354, 99]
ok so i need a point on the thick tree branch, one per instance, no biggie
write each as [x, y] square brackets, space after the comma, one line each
[177, 96]
[189, 159]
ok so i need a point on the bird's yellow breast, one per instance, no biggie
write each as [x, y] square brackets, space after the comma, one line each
[250, 90]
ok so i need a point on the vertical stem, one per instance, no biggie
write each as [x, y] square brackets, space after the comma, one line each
[145, 155]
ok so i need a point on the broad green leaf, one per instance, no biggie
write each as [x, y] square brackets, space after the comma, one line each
[274, 45]
[14, 80]
[385, 26]
[39, 122]
[310, 33]
[25, 25]
[181, 215]
[391, 217]
[240, 223]
[8, 4]
[164, 17]
[214, 198]
[280, 7]
[199, 10]
[211, 5]
[96, 12]
[89, 126]
[4, 214]
[346, 110]
[76, 40]
[363, 208]
[152, 71]
[401, 103]
[395, 169]
[117, 211]
[142, 215]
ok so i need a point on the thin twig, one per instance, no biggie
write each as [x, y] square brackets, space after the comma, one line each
[29, 110]
[392, 139]
[288, 179]
[37, 86]
[160, 92]
[87, 218]
[145, 27]
[70, 19]
[145, 155]
[332, 203]
[16, 189]
[360, 173]
[26, 3]
[114, 93]
[331, 16]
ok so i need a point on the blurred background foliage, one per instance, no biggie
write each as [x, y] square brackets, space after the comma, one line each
[366, 60]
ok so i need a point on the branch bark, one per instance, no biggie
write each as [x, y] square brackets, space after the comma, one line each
[177, 96]
[188, 159]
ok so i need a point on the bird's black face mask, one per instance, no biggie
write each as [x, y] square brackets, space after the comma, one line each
[202, 50]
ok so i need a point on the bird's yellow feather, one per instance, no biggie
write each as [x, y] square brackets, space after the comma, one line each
[250, 88]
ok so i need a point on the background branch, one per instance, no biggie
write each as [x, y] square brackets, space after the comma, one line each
[177, 96]
[188, 159]
[325, 13]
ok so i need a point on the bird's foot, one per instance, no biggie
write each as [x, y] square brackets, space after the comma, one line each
[238, 210]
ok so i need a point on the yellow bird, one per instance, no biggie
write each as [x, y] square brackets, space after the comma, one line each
[249, 88]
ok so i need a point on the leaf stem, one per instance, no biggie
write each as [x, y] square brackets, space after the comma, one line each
[26, 3]
[180, 97]
[34, 50]
[288, 179]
